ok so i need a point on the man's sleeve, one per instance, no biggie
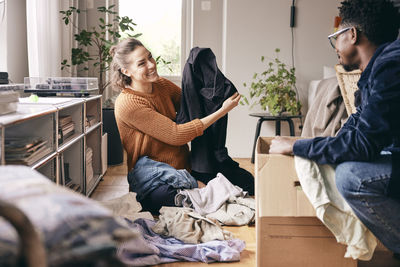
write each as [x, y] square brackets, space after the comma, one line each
[369, 130]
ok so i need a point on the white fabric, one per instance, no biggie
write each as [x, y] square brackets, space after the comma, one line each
[312, 92]
[236, 211]
[211, 197]
[127, 206]
[318, 183]
[44, 37]
[188, 226]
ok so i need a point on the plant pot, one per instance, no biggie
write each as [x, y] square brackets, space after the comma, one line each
[115, 152]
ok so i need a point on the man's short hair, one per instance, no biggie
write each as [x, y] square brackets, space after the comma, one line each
[378, 20]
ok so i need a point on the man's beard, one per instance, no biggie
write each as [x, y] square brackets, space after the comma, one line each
[350, 67]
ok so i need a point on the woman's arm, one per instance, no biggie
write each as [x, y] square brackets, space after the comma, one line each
[140, 114]
[227, 106]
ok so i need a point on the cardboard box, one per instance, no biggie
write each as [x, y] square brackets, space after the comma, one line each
[287, 231]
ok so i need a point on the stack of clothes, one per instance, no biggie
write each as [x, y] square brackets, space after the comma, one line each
[192, 232]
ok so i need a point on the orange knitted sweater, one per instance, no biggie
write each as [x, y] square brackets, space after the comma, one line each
[147, 128]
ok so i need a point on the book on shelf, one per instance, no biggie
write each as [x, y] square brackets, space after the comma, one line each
[64, 119]
[67, 178]
[66, 128]
[62, 170]
[75, 187]
[89, 165]
[90, 121]
[23, 150]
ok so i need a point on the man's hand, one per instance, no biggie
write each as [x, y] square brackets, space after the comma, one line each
[282, 145]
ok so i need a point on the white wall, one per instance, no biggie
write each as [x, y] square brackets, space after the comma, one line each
[207, 27]
[239, 32]
[3, 37]
[17, 55]
[255, 28]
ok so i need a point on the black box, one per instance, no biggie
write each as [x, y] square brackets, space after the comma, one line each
[4, 75]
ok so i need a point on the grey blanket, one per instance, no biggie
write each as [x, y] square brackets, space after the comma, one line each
[327, 113]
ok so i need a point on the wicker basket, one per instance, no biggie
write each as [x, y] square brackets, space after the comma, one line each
[348, 85]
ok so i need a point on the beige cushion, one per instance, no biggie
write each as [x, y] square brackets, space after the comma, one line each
[348, 85]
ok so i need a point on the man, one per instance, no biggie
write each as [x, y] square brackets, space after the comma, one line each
[367, 148]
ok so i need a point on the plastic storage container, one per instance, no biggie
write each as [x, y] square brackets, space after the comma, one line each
[75, 86]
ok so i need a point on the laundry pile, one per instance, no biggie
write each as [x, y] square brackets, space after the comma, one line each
[191, 232]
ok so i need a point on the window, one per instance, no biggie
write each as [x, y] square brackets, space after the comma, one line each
[160, 23]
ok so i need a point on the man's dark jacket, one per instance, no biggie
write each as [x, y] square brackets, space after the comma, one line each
[204, 89]
[376, 124]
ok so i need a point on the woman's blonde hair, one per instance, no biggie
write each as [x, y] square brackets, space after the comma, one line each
[120, 60]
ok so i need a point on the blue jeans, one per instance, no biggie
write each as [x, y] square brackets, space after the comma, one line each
[364, 186]
[147, 175]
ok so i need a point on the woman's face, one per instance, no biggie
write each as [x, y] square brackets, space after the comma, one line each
[143, 66]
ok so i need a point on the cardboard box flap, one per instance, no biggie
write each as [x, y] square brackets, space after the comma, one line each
[278, 191]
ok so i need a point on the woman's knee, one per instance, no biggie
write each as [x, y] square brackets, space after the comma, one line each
[345, 179]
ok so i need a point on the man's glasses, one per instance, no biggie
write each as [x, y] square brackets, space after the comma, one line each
[333, 37]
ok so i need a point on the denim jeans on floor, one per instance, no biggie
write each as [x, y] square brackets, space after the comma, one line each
[149, 175]
[364, 185]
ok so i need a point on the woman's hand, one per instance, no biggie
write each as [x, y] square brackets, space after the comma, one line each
[231, 102]
[227, 106]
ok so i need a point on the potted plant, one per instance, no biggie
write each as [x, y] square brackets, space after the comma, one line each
[92, 52]
[274, 89]
[98, 39]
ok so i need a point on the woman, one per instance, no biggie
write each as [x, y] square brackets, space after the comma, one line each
[145, 112]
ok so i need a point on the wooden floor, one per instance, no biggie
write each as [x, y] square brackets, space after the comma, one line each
[114, 184]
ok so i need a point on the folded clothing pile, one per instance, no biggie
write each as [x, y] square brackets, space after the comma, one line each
[220, 200]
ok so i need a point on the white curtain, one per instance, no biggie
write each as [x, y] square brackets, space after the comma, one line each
[68, 32]
[50, 40]
[44, 38]
[3, 36]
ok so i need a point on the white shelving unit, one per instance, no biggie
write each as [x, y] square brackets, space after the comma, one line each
[93, 141]
[27, 123]
[65, 160]
[93, 128]
[49, 167]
